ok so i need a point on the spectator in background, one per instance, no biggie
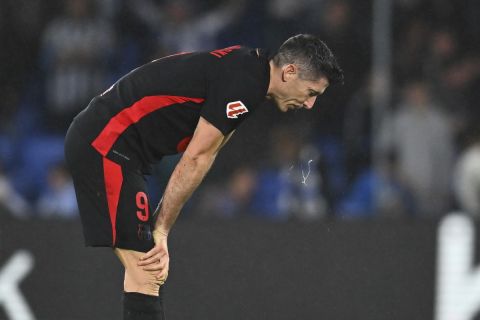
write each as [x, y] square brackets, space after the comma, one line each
[378, 192]
[467, 176]
[11, 202]
[420, 134]
[289, 186]
[58, 200]
[184, 28]
[442, 50]
[75, 51]
[410, 48]
[232, 200]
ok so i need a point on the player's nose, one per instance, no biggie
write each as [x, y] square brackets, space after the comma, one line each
[308, 104]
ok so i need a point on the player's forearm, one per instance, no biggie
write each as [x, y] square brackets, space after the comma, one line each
[186, 177]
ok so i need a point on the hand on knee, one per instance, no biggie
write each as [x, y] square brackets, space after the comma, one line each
[142, 279]
[157, 260]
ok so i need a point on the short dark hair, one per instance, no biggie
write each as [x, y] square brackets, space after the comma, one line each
[312, 56]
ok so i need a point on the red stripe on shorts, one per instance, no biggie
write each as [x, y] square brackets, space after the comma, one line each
[113, 184]
[130, 115]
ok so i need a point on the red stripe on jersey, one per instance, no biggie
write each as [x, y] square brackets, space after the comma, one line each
[130, 115]
[113, 178]
[223, 52]
[183, 144]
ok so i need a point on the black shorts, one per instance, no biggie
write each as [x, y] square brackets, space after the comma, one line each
[113, 201]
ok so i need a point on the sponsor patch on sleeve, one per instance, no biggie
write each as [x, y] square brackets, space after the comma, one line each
[236, 108]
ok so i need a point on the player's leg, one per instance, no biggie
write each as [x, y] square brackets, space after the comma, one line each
[142, 289]
[136, 278]
[114, 212]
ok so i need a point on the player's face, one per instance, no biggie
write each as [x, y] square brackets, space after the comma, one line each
[291, 92]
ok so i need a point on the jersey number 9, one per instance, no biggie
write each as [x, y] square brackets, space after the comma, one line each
[142, 205]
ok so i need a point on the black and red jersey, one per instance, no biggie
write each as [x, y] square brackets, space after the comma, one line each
[153, 110]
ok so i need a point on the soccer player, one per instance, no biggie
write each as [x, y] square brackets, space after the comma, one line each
[190, 103]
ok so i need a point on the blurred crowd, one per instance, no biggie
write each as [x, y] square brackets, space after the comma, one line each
[303, 165]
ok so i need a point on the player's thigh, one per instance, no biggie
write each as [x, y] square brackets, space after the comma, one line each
[128, 258]
[134, 221]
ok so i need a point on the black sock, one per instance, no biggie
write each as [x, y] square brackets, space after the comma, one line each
[138, 306]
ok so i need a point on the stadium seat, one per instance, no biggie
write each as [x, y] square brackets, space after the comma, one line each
[37, 155]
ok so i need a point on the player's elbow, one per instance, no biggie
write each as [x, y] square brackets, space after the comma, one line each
[201, 152]
[200, 158]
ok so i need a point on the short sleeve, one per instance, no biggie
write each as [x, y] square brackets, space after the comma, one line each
[228, 102]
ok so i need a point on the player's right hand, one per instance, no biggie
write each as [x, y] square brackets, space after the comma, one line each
[157, 260]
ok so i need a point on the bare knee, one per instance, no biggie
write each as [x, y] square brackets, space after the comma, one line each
[137, 279]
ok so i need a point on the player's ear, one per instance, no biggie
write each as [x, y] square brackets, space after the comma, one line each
[289, 71]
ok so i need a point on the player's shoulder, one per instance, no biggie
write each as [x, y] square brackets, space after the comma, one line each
[242, 71]
[237, 55]
[238, 62]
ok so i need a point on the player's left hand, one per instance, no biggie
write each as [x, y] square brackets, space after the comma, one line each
[157, 260]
